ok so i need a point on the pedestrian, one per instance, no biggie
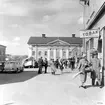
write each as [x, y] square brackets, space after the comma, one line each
[72, 63]
[45, 65]
[53, 67]
[96, 67]
[40, 65]
[57, 63]
[61, 65]
[81, 67]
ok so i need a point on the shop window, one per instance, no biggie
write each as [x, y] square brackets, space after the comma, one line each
[99, 46]
[91, 43]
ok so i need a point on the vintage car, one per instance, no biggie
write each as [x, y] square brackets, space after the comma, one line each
[13, 66]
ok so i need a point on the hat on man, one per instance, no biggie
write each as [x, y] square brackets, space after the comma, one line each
[95, 53]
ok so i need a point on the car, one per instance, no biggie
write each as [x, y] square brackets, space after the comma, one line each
[13, 66]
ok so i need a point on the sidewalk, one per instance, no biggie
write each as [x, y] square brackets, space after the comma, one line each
[48, 89]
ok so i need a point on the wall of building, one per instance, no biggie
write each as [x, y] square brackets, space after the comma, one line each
[94, 6]
[54, 52]
[91, 10]
[2, 53]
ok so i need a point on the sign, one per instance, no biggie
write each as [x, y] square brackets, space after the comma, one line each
[89, 33]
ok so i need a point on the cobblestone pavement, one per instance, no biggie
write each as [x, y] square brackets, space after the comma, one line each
[48, 89]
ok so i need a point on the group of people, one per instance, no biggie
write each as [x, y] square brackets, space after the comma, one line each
[42, 63]
[93, 67]
[57, 64]
[83, 65]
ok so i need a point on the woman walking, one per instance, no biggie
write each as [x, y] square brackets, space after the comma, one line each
[53, 68]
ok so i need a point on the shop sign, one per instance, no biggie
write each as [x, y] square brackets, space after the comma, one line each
[89, 33]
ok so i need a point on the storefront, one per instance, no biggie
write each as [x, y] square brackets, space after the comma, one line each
[94, 19]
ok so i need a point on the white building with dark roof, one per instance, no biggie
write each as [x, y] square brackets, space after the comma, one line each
[54, 47]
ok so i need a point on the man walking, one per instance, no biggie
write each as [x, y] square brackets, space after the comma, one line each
[46, 65]
[81, 66]
[40, 65]
[96, 66]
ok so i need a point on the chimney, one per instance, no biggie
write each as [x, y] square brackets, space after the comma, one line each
[43, 35]
[73, 35]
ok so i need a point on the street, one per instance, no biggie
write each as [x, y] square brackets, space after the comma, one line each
[28, 88]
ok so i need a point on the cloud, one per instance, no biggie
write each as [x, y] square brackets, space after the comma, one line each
[4, 41]
[16, 39]
[80, 21]
[46, 18]
[13, 9]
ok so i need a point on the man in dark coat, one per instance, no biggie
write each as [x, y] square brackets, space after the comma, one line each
[45, 65]
[40, 65]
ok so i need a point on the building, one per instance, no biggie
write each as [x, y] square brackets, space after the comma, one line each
[2, 56]
[54, 47]
[2, 53]
[94, 29]
[94, 26]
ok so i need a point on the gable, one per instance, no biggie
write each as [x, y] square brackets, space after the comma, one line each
[58, 42]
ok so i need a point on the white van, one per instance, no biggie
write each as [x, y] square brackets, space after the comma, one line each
[14, 66]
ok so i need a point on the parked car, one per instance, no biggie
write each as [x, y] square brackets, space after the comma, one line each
[13, 66]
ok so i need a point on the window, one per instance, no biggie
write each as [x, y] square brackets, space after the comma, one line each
[64, 53]
[51, 53]
[33, 53]
[69, 53]
[45, 53]
[39, 53]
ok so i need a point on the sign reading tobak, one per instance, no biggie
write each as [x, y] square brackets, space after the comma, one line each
[89, 33]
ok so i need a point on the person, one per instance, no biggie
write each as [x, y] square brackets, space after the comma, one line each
[52, 65]
[81, 67]
[96, 67]
[72, 63]
[46, 65]
[57, 63]
[40, 65]
[61, 65]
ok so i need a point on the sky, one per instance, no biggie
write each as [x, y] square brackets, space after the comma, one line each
[21, 19]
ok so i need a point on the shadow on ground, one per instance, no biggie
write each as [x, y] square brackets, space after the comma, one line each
[7, 78]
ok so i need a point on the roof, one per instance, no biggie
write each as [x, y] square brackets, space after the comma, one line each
[2, 45]
[42, 40]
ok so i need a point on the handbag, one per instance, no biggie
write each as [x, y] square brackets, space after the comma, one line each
[88, 69]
